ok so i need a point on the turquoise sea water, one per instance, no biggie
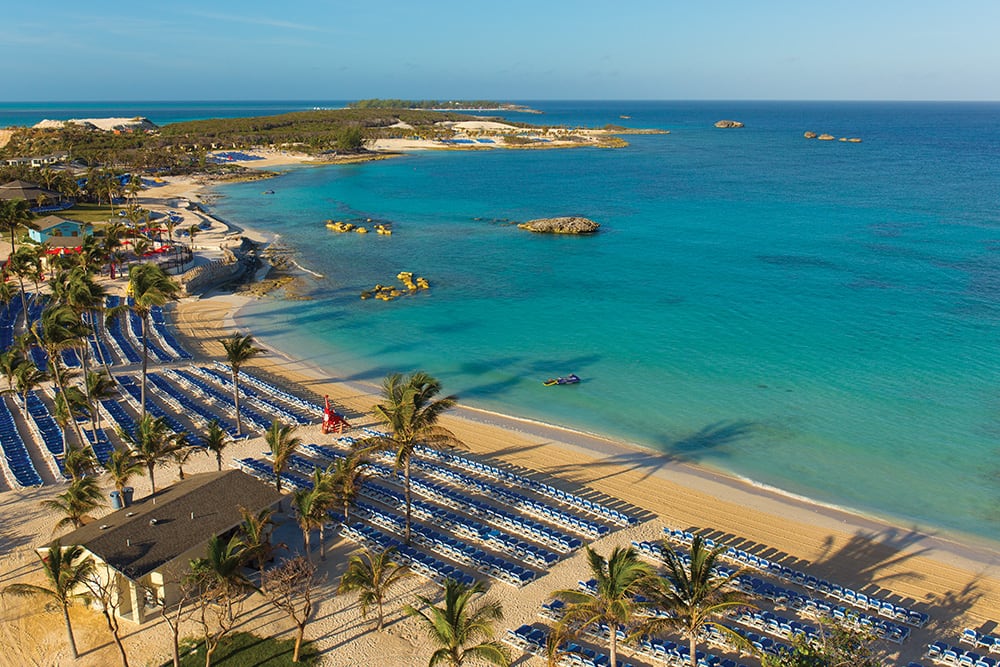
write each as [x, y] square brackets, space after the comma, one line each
[820, 317]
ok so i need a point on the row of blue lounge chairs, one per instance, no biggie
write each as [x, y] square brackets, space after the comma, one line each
[848, 596]
[46, 427]
[466, 527]
[519, 501]
[114, 329]
[134, 391]
[943, 653]
[981, 640]
[455, 549]
[100, 443]
[513, 479]
[272, 390]
[200, 386]
[461, 525]
[192, 406]
[534, 640]
[514, 522]
[17, 460]
[249, 395]
[159, 321]
[426, 565]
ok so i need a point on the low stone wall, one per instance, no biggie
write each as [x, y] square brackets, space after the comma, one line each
[234, 265]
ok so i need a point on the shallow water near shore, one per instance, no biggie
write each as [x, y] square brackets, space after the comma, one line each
[819, 317]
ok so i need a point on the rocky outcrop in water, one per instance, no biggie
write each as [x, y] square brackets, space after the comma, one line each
[564, 225]
[727, 124]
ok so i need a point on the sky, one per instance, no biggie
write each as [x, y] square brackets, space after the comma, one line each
[61, 50]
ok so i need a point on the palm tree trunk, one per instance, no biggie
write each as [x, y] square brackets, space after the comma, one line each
[381, 615]
[54, 362]
[613, 646]
[90, 401]
[69, 632]
[693, 647]
[305, 540]
[322, 536]
[218, 460]
[24, 300]
[145, 361]
[152, 481]
[236, 400]
[406, 485]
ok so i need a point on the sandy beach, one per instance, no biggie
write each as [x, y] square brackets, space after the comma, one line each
[954, 579]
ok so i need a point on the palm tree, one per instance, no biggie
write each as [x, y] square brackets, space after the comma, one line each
[455, 626]
[79, 461]
[100, 387]
[66, 570]
[373, 574]
[10, 359]
[256, 531]
[68, 406]
[27, 377]
[219, 576]
[81, 497]
[23, 263]
[239, 349]
[122, 466]
[77, 290]
[14, 213]
[346, 477]
[619, 579]
[61, 329]
[692, 596]
[148, 286]
[410, 412]
[311, 506]
[152, 443]
[283, 444]
[181, 453]
[216, 439]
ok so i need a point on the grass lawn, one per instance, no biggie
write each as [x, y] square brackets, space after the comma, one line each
[243, 649]
[93, 213]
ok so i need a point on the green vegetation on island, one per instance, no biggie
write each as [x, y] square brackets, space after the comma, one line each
[455, 105]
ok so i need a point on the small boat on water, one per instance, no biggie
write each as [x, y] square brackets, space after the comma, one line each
[268, 192]
[569, 379]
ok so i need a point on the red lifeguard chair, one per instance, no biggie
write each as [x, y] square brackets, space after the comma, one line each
[331, 420]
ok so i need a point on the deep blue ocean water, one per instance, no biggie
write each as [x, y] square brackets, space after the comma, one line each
[821, 317]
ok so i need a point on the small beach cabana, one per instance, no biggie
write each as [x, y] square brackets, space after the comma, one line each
[144, 549]
[54, 226]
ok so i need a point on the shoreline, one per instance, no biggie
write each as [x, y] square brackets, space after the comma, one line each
[976, 549]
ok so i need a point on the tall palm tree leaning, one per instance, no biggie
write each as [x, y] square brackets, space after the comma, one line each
[619, 579]
[66, 570]
[149, 286]
[152, 443]
[61, 329]
[455, 626]
[693, 596]
[310, 507]
[410, 412]
[239, 349]
[283, 444]
[372, 574]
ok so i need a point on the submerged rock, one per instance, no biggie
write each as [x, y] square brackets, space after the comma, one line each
[810, 135]
[725, 124]
[564, 225]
